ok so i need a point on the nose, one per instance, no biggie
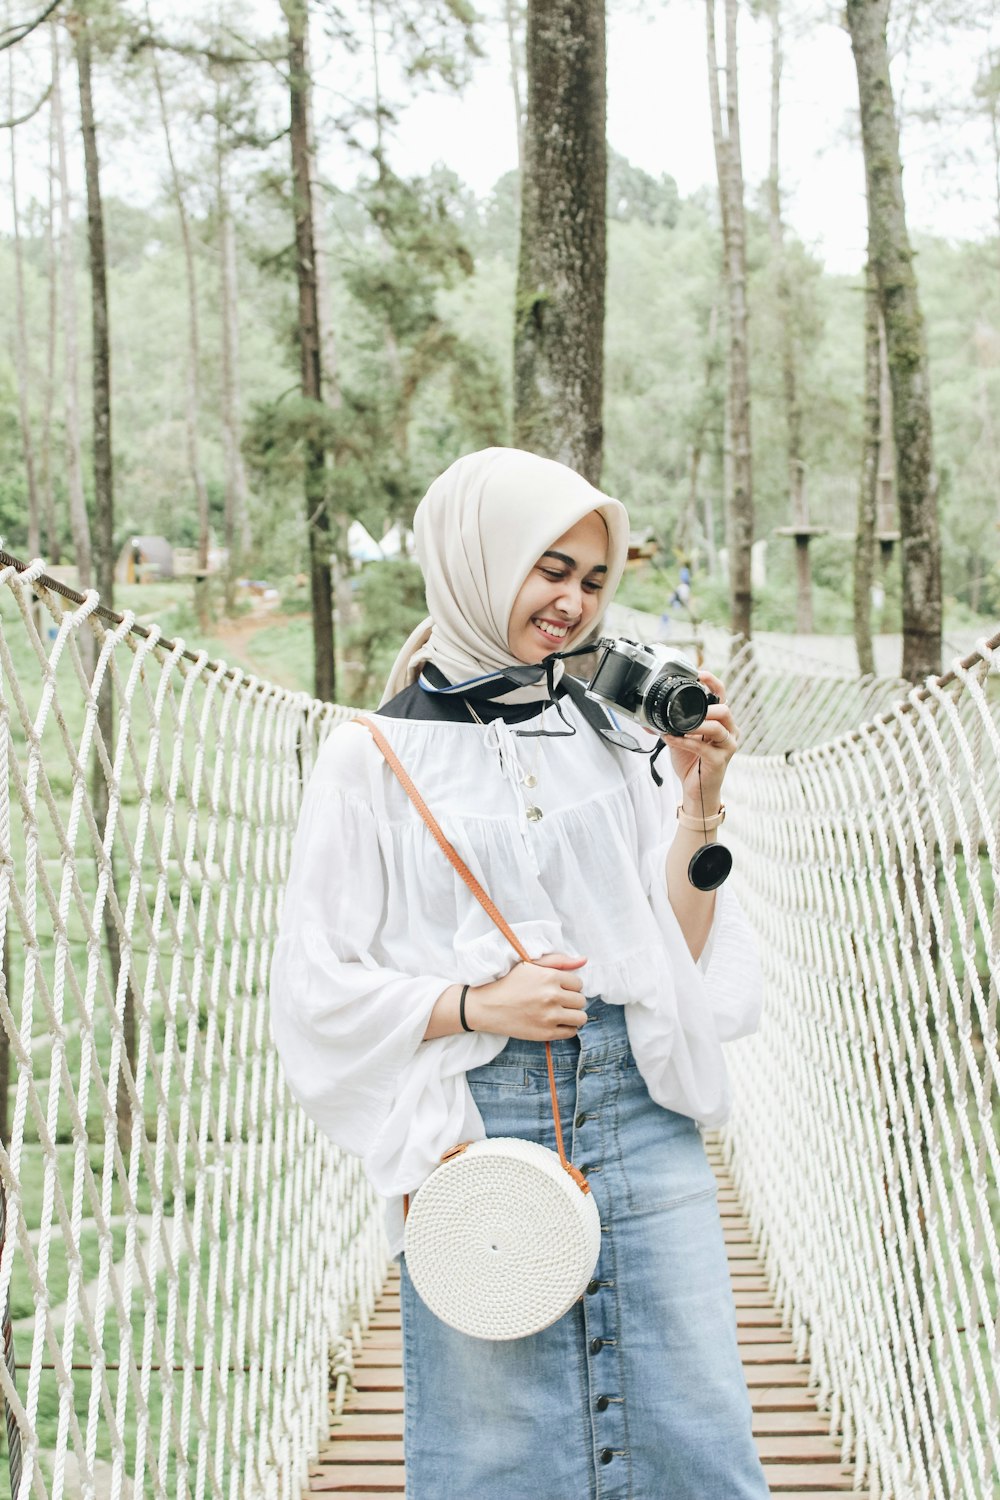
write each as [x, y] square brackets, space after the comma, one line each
[570, 598]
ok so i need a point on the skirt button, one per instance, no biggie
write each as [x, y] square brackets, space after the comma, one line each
[592, 1287]
[606, 1455]
[602, 1403]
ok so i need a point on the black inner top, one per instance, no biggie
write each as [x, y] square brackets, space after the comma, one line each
[452, 708]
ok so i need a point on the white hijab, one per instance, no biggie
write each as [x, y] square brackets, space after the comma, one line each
[479, 530]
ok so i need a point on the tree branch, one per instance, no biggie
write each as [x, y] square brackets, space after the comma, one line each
[15, 34]
[16, 120]
[209, 54]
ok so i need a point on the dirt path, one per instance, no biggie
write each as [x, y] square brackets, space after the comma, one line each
[237, 636]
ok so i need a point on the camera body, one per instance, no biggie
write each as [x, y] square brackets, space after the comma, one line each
[653, 685]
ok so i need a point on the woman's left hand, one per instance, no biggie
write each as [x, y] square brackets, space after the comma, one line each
[711, 746]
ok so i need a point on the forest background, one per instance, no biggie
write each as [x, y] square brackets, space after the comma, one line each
[213, 428]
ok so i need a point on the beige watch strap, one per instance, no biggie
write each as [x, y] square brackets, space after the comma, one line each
[700, 824]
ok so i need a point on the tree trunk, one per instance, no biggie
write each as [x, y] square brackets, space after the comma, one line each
[192, 405]
[864, 543]
[79, 523]
[729, 168]
[237, 539]
[514, 19]
[54, 547]
[317, 512]
[797, 506]
[559, 307]
[686, 534]
[21, 344]
[104, 525]
[340, 520]
[892, 257]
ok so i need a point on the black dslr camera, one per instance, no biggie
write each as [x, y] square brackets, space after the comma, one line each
[653, 685]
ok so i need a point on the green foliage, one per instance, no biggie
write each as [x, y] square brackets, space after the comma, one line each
[635, 195]
[391, 603]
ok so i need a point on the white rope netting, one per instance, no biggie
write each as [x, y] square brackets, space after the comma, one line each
[182, 1250]
[864, 1137]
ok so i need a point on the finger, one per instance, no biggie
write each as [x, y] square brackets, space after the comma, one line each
[573, 1019]
[558, 961]
[713, 683]
[721, 713]
[712, 734]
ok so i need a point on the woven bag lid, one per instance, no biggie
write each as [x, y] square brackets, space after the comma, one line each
[500, 1241]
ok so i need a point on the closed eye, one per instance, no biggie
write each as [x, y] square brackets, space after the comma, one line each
[592, 585]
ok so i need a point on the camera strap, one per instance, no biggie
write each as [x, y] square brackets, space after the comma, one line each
[601, 721]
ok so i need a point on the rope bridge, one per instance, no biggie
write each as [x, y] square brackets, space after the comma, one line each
[187, 1265]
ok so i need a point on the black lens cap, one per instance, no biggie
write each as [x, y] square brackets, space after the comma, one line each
[709, 866]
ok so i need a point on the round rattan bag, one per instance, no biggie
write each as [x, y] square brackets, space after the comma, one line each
[501, 1240]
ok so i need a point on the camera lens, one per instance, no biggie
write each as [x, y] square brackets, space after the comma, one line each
[675, 707]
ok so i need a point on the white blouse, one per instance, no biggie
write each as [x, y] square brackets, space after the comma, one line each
[375, 924]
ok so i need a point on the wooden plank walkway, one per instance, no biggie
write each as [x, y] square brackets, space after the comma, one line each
[365, 1454]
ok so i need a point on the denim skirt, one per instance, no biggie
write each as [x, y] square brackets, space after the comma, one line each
[637, 1393]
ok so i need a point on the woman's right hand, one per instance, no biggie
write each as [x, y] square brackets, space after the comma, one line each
[540, 1001]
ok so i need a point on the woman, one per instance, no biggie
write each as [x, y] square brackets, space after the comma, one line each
[638, 1390]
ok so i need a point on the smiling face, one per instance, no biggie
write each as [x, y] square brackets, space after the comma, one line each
[561, 596]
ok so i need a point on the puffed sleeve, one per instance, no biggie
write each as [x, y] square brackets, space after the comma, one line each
[349, 1030]
[729, 965]
[716, 999]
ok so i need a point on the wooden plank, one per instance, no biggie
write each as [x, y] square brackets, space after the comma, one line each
[796, 1447]
[368, 1481]
[782, 1350]
[361, 1424]
[784, 1477]
[782, 1398]
[376, 1401]
[775, 1375]
[349, 1449]
[808, 1420]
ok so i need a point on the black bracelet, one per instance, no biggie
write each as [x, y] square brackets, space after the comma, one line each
[461, 1010]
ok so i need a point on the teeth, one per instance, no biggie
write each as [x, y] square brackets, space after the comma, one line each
[558, 631]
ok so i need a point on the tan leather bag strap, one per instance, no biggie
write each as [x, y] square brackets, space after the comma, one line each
[455, 859]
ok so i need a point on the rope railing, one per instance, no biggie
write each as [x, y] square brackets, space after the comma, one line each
[183, 1253]
[187, 1266]
[865, 1137]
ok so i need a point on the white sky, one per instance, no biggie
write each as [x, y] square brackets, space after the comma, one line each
[658, 116]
